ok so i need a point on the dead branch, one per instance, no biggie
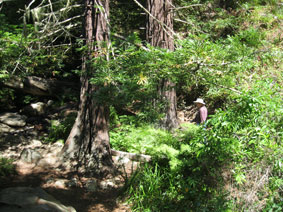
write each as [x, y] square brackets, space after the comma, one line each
[189, 6]
[131, 156]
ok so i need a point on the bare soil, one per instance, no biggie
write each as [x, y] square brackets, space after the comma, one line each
[54, 180]
[102, 200]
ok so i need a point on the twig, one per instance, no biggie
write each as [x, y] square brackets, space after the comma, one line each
[185, 7]
[231, 89]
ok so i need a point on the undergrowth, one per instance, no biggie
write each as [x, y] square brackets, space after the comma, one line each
[7, 167]
[234, 164]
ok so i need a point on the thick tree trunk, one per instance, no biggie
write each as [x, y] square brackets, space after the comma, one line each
[159, 34]
[88, 141]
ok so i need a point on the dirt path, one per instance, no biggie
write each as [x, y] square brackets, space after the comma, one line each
[67, 186]
[54, 183]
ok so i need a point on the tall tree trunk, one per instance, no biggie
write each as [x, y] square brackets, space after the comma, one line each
[159, 34]
[88, 142]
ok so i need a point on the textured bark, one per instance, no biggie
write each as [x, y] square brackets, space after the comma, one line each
[88, 141]
[159, 34]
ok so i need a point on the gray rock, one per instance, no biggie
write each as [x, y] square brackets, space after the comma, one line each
[35, 143]
[108, 184]
[30, 155]
[13, 119]
[6, 129]
[26, 199]
[50, 103]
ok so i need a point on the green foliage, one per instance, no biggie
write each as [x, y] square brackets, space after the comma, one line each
[251, 37]
[241, 137]
[7, 97]
[154, 189]
[59, 129]
[138, 139]
[126, 17]
[230, 49]
[7, 167]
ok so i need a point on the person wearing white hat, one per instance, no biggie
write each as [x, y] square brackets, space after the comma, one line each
[202, 114]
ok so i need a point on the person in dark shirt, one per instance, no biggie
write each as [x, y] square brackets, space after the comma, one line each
[202, 114]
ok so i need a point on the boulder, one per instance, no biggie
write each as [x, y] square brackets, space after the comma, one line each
[30, 155]
[6, 129]
[27, 199]
[35, 109]
[13, 119]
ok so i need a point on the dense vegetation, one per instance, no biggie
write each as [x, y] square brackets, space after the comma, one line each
[228, 52]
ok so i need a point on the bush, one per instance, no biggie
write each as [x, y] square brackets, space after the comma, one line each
[60, 130]
[7, 167]
[235, 164]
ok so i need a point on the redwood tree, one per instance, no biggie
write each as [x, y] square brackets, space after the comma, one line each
[160, 34]
[88, 142]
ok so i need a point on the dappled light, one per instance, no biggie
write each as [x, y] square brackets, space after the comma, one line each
[141, 105]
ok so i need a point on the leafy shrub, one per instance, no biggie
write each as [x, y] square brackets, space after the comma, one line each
[251, 37]
[240, 150]
[6, 167]
[59, 130]
[142, 139]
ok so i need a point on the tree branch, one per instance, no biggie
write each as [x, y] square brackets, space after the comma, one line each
[185, 7]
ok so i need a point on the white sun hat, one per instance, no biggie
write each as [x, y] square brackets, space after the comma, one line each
[199, 100]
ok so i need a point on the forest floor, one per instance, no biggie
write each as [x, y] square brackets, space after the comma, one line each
[55, 180]
[79, 197]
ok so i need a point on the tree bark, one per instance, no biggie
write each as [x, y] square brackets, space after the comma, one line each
[159, 34]
[88, 142]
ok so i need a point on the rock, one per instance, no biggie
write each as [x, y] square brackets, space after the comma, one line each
[35, 143]
[61, 183]
[73, 183]
[6, 129]
[14, 140]
[108, 184]
[50, 103]
[30, 155]
[26, 199]
[92, 185]
[48, 161]
[13, 119]
[35, 109]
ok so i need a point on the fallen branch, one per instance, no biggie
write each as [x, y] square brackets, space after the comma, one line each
[131, 156]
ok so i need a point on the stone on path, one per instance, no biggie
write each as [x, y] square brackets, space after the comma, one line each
[13, 119]
[26, 199]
